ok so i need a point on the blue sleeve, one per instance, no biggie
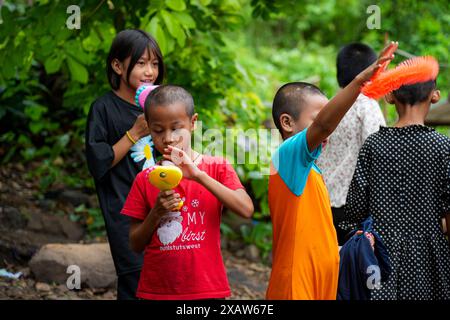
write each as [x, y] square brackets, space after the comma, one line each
[293, 161]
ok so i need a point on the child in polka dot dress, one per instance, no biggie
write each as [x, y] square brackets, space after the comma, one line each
[402, 179]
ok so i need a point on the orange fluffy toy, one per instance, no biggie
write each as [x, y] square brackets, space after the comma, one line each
[414, 70]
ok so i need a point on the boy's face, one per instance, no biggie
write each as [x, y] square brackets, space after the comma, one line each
[313, 105]
[145, 71]
[171, 125]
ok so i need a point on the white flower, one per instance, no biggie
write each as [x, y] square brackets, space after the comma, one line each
[143, 150]
[195, 203]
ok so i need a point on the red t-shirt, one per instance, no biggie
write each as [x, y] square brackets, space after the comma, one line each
[183, 259]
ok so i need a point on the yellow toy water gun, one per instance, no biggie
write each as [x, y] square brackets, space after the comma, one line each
[166, 177]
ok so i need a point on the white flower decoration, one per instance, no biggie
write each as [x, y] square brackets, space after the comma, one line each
[195, 203]
[143, 150]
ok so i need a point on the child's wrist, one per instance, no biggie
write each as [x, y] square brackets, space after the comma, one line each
[132, 137]
[199, 176]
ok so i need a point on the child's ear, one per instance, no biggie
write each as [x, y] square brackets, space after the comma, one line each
[435, 96]
[194, 119]
[389, 98]
[286, 122]
[117, 66]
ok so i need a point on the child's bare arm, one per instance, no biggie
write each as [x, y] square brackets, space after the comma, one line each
[329, 117]
[237, 201]
[141, 231]
[121, 149]
[122, 146]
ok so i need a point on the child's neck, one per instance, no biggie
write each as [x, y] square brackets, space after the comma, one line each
[126, 93]
[411, 115]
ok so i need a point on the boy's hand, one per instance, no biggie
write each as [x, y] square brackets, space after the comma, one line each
[167, 201]
[385, 57]
[183, 161]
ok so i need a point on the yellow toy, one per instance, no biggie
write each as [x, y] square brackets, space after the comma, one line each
[166, 177]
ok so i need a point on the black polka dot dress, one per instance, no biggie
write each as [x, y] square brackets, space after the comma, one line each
[402, 179]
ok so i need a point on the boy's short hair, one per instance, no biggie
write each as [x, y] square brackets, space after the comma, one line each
[351, 60]
[290, 99]
[168, 94]
[414, 93]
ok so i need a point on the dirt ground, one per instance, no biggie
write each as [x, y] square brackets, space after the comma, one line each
[248, 280]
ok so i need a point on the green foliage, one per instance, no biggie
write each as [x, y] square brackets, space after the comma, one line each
[232, 55]
[93, 219]
[227, 231]
[259, 234]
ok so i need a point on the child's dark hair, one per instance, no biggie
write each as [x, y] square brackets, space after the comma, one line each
[132, 42]
[168, 94]
[414, 93]
[351, 60]
[290, 99]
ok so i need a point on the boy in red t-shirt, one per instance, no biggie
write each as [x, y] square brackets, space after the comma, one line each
[182, 257]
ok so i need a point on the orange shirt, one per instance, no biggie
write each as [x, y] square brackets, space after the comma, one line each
[305, 249]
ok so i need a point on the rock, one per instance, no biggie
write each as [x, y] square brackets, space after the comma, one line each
[14, 292]
[16, 186]
[89, 293]
[47, 204]
[12, 218]
[19, 167]
[235, 245]
[25, 272]
[44, 287]
[74, 197]
[71, 196]
[109, 296]
[55, 225]
[237, 277]
[18, 246]
[252, 253]
[240, 253]
[94, 260]
[72, 295]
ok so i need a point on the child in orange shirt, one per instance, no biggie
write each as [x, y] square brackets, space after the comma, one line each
[305, 249]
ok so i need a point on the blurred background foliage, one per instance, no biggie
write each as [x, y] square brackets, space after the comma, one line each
[231, 54]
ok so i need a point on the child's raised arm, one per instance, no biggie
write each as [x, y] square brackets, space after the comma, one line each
[237, 201]
[329, 117]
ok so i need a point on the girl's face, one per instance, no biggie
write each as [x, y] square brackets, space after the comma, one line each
[145, 71]
[171, 125]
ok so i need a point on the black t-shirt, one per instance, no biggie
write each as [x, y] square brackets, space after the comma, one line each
[108, 120]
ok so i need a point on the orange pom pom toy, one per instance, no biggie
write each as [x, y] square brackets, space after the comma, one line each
[414, 70]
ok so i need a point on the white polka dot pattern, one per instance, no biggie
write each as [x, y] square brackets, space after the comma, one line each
[402, 179]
